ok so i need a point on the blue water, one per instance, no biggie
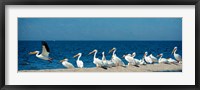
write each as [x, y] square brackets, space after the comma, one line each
[61, 49]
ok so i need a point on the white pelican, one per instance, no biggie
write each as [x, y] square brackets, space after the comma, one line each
[170, 60]
[66, 63]
[104, 62]
[109, 62]
[45, 52]
[96, 60]
[78, 61]
[116, 60]
[162, 60]
[147, 59]
[130, 60]
[177, 56]
[154, 59]
[136, 60]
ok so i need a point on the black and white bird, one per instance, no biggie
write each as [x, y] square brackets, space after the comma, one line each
[45, 52]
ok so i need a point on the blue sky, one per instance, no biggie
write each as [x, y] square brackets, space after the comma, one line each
[100, 29]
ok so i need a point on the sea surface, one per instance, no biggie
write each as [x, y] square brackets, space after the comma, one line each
[61, 49]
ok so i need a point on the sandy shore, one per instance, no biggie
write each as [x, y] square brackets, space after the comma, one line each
[141, 68]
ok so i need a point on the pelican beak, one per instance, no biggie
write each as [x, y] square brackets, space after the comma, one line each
[61, 61]
[65, 58]
[132, 55]
[158, 55]
[173, 51]
[123, 56]
[91, 52]
[111, 57]
[76, 55]
[32, 53]
[144, 54]
[111, 50]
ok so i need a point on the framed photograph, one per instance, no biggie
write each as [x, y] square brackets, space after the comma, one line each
[109, 44]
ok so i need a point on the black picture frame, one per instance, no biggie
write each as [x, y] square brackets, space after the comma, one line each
[3, 3]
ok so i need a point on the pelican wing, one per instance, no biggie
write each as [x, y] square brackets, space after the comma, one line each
[121, 63]
[142, 61]
[45, 49]
[67, 64]
[163, 60]
[170, 60]
[80, 64]
[152, 57]
[103, 57]
[180, 58]
[104, 64]
[177, 57]
[111, 64]
[137, 61]
[97, 61]
[129, 59]
[148, 60]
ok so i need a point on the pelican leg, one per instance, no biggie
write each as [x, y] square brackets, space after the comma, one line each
[180, 62]
[78, 69]
[117, 64]
[174, 63]
[136, 66]
[50, 61]
[97, 65]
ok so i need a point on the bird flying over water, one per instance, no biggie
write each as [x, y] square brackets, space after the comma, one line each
[45, 52]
